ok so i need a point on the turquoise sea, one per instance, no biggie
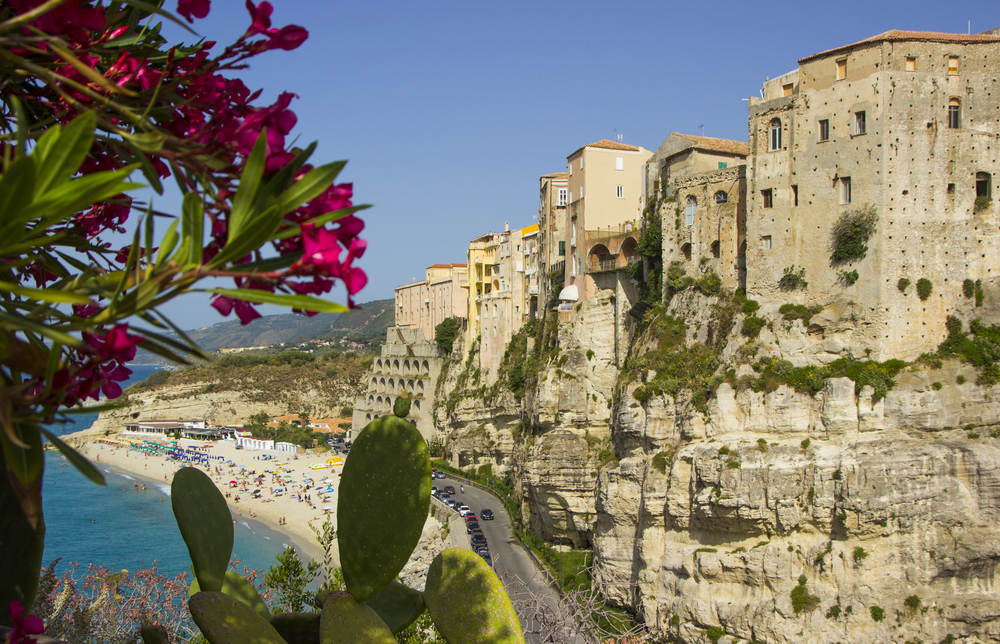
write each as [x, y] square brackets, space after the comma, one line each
[116, 527]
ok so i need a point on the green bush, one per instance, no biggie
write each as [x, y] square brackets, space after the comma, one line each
[710, 283]
[750, 307]
[877, 613]
[715, 633]
[444, 333]
[662, 461]
[833, 612]
[805, 443]
[982, 350]
[848, 278]
[912, 603]
[969, 289]
[903, 284]
[762, 445]
[802, 601]
[879, 375]
[793, 279]
[799, 312]
[677, 277]
[924, 288]
[752, 326]
[860, 554]
[851, 232]
[979, 293]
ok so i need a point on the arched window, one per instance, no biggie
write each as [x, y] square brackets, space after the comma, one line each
[775, 134]
[721, 197]
[716, 249]
[690, 209]
[686, 251]
[954, 113]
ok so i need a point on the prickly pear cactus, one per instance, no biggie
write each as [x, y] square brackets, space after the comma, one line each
[468, 602]
[225, 620]
[397, 605]
[238, 588]
[203, 518]
[385, 492]
[345, 621]
[297, 628]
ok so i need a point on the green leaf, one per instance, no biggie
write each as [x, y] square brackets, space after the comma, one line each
[397, 605]
[304, 302]
[238, 588]
[19, 323]
[168, 243]
[76, 195]
[245, 200]
[46, 294]
[194, 235]
[385, 491]
[21, 554]
[467, 600]
[148, 142]
[17, 190]
[205, 523]
[321, 220]
[75, 142]
[78, 460]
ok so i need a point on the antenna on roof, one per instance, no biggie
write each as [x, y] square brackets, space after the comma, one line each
[702, 129]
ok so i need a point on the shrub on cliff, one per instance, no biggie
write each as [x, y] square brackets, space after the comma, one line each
[444, 333]
[851, 232]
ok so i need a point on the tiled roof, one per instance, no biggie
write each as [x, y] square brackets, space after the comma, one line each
[447, 266]
[556, 175]
[718, 145]
[900, 35]
[613, 145]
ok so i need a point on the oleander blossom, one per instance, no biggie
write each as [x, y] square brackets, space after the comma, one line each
[24, 625]
[197, 8]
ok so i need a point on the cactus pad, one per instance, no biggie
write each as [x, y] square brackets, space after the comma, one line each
[401, 407]
[384, 495]
[225, 620]
[468, 602]
[397, 605]
[238, 588]
[345, 621]
[297, 628]
[203, 518]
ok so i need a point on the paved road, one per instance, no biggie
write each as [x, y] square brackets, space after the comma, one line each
[515, 568]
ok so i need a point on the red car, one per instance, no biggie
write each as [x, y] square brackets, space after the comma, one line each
[449, 489]
[470, 517]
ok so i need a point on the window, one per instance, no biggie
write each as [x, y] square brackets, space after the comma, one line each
[954, 113]
[845, 190]
[983, 184]
[620, 192]
[786, 90]
[721, 197]
[842, 69]
[581, 163]
[723, 165]
[716, 249]
[768, 198]
[690, 209]
[795, 195]
[951, 188]
[859, 123]
[911, 63]
[571, 173]
[766, 239]
[581, 192]
[619, 163]
[686, 251]
[824, 129]
[952, 65]
[571, 196]
[775, 134]
[562, 248]
[563, 192]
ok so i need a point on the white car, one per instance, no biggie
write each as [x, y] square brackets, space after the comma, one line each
[463, 510]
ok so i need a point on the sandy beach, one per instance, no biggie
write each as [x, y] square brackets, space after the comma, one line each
[289, 498]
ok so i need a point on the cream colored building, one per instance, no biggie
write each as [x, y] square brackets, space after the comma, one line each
[441, 295]
[606, 198]
[553, 198]
[904, 122]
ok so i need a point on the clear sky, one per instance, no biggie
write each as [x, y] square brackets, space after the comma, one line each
[448, 112]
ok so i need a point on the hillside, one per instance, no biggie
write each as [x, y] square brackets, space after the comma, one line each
[370, 321]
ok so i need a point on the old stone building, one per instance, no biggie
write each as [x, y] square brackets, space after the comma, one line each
[441, 295]
[702, 182]
[902, 124]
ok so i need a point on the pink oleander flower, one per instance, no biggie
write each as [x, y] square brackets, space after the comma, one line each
[244, 310]
[24, 625]
[116, 344]
[261, 17]
[287, 38]
[197, 8]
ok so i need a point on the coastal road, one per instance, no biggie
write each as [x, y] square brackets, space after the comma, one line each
[525, 584]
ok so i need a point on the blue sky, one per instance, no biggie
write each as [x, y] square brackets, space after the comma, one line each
[448, 112]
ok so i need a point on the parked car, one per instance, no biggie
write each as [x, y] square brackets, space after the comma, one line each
[450, 489]
[464, 510]
[487, 558]
[486, 514]
[452, 503]
[438, 475]
[471, 516]
[478, 539]
[482, 550]
[471, 527]
[435, 491]
[443, 498]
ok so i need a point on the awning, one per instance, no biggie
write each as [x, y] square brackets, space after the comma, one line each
[569, 294]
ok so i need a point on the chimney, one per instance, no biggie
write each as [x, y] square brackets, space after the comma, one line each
[506, 227]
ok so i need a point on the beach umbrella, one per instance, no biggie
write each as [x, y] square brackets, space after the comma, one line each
[256, 491]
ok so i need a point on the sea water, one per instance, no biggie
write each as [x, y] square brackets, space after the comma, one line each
[119, 528]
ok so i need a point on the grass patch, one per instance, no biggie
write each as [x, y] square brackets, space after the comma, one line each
[799, 312]
[879, 375]
[981, 349]
[924, 288]
[793, 279]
